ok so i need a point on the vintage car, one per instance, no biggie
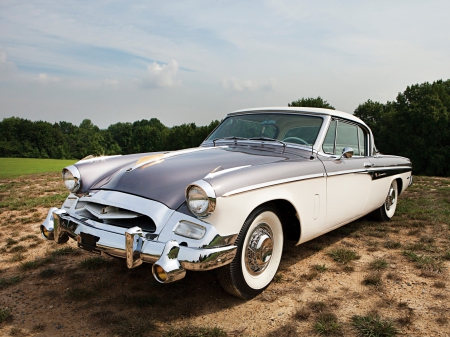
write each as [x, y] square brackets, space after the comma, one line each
[262, 176]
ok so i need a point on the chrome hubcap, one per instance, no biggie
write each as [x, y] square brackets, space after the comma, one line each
[390, 199]
[259, 249]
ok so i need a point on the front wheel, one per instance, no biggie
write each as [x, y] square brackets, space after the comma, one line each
[260, 245]
[387, 210]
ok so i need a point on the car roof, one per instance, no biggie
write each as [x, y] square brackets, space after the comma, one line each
[300, 110]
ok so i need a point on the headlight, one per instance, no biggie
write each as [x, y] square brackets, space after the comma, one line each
[72, 179]
[200, 202]
[190, 230]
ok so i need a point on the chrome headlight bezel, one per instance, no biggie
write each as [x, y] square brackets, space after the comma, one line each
[201, 190]
[71, 178]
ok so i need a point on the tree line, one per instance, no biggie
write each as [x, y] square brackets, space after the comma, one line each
[415, 125]
[26, 139]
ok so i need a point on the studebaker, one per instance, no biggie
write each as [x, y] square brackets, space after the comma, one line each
[262, 176]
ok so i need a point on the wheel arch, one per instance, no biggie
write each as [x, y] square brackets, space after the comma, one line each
[399, 185]
[288, 217]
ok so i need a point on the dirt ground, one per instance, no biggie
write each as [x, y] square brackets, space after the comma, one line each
[58, 290]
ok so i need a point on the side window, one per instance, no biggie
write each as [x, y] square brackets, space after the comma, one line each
[362, 137]
[347, 136]
[328, 144]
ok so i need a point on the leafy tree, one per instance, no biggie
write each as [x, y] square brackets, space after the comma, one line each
[379, 117]
[421, 124]
[310, 102]
[415, 125]
[122, 134]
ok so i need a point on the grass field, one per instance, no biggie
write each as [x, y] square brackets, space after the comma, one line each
[367, 278]
[15, 167]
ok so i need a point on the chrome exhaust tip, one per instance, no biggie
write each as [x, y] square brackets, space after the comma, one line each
[168, 269]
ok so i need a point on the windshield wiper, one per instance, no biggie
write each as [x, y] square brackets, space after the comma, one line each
[229, 138]
[268, 139]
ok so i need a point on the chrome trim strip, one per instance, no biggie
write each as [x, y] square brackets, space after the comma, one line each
[390, 168]
[89, 159]
[272, 183]
[368, 170]
[337, 173]
[218, 173]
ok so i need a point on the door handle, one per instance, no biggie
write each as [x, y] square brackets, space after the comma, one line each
[367, 165]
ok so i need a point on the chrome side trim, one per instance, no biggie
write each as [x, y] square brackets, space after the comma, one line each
[272, 183]
[390, 168]
[331, 174]
[369, 170]
[215, 174]
[91, 158]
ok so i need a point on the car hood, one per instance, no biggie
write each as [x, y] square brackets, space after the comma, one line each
[164, 177]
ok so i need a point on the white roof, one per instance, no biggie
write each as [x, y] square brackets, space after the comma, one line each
[315, 111]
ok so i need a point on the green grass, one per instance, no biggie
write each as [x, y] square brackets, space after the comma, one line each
[427, 263]
[6, 282]
[372, 279]
[47, 273]
[15, 167]
[373, 326]
[5, 314]
[378, 264]
[94, 263]
[19, 203]
[189, 331]
[321, 268]
[327, 325]
[343, 255]
[36, 263]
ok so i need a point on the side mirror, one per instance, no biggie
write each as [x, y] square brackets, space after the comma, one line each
[347, 152]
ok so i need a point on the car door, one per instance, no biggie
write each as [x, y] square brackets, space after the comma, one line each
[348, 179]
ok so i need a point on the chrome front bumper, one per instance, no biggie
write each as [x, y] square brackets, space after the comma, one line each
[170, 260]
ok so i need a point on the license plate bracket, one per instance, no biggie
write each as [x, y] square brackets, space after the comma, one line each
[88, 242]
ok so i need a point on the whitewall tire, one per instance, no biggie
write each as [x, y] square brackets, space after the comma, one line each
[387, 210]
[260, 246]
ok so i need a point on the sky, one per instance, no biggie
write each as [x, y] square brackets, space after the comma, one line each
[195, 61]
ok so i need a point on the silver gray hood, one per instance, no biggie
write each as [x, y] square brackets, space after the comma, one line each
[164, 177]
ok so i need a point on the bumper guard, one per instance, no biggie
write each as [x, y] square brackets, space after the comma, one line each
[170, 260]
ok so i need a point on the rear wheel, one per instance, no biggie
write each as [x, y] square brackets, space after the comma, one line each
[387, 210]
[260, 245]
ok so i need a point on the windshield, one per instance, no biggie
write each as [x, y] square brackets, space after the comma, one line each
[289, 128]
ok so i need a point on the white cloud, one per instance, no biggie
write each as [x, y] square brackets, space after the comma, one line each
[162, 76]
[111, 82]
[43, 78]
[237, 84]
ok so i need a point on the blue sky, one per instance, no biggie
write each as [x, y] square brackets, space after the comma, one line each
[194, 61]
